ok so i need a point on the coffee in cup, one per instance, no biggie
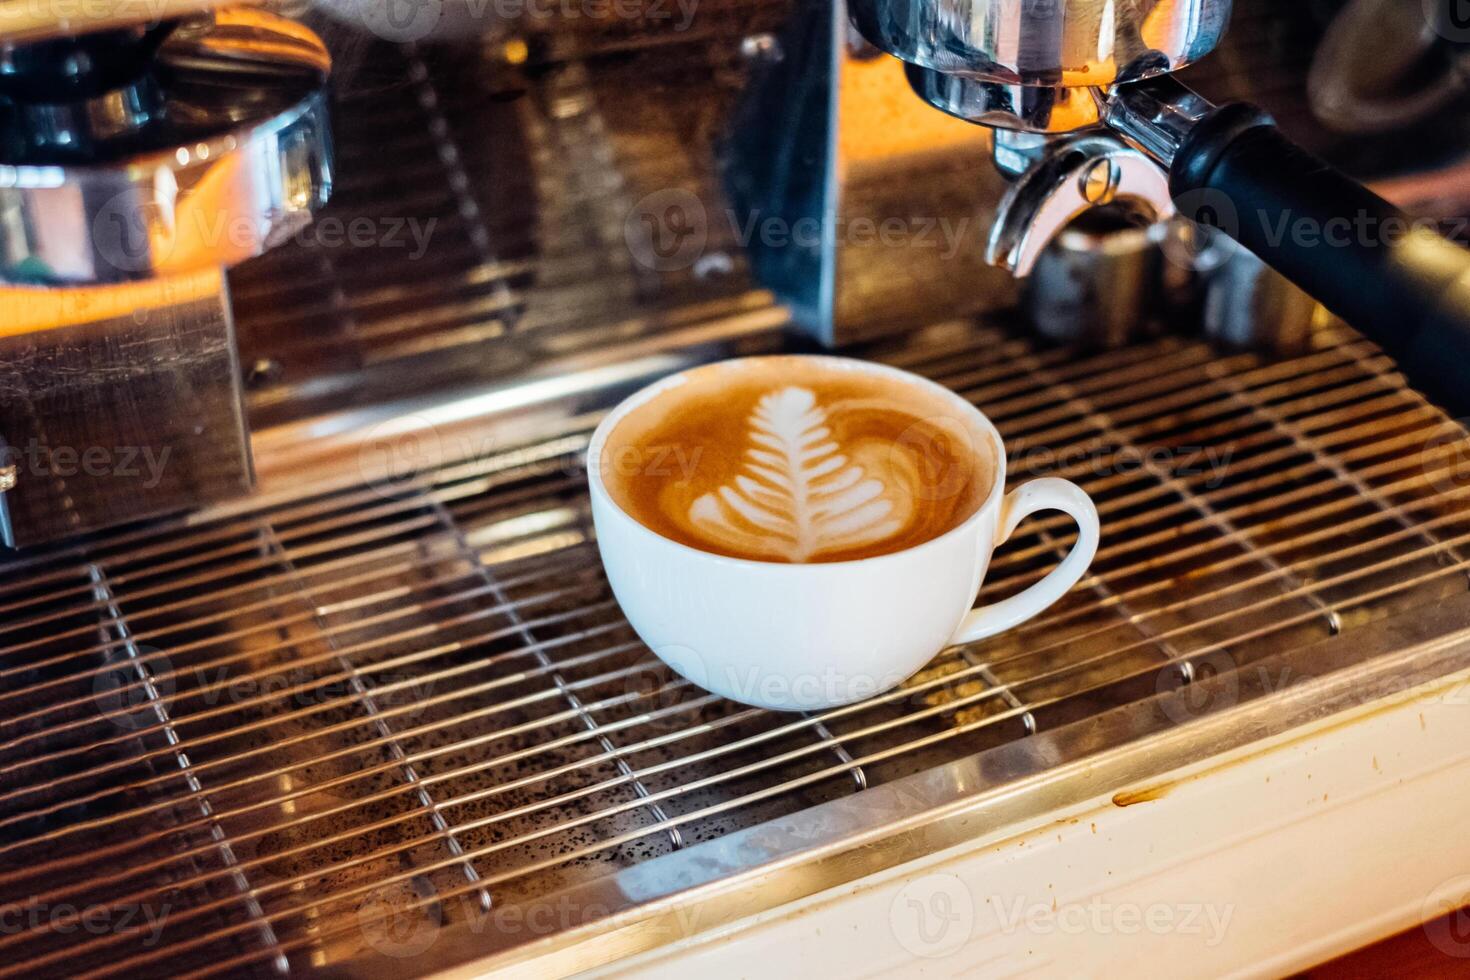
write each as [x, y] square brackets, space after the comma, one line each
[797, 460]
[802, 532]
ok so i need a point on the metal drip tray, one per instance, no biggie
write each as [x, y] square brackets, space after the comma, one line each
[365, 727]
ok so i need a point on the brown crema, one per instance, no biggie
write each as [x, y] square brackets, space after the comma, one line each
[798, 459]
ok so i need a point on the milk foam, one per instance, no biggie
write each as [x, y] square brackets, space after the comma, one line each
[790, 459]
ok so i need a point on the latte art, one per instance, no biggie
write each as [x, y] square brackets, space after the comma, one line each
[797, 460]
[800, 495]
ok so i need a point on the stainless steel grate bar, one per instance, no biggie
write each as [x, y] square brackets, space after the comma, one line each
[1312, 446]
[936, 710]
[563, 687]
[786, 787]
[838, 749]
[363, 694]
[181, 759]
[93, 797]
[1087, 409]
[1331, 395]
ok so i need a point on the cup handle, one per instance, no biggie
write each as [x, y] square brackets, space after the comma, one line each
[1019, 504]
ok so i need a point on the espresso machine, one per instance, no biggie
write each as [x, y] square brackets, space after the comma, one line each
[143, 160]
[308, 666]
[139, 163]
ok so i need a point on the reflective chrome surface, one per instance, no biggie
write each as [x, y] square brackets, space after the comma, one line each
[1076, 174]
[1098, 284]
[1156, 115]
[217, 151]
[1049, 43]
[1025, 108]
[117, 403]
[355, 721]
[1250, 305]
[382, 717]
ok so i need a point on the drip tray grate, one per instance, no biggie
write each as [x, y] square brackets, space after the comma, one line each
[275, 737]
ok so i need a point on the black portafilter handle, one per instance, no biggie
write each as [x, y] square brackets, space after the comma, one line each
[1396, 280]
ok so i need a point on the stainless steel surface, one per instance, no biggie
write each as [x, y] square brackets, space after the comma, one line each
[1075, 175]
[1248, 304]
[1156, 116]
[383, 717]
[1048, 43]
[1097, 285]
[217, 151]
[837, 177]
[1024, 108]
[348, 718]
[504, 212]
[1002, 790]
[134, 166]
[117, 404]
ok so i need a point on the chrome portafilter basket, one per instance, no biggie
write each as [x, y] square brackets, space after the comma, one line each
[1087, 114]
[1046, 74]
[1039, 75]
[136, 165]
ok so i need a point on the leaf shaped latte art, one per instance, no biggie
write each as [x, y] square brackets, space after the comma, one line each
[799, 495]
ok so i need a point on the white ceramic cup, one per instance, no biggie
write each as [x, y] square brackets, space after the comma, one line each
[803, 637]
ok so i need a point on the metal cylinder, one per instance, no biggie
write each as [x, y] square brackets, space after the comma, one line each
[1052, 43]
[1097, 284]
